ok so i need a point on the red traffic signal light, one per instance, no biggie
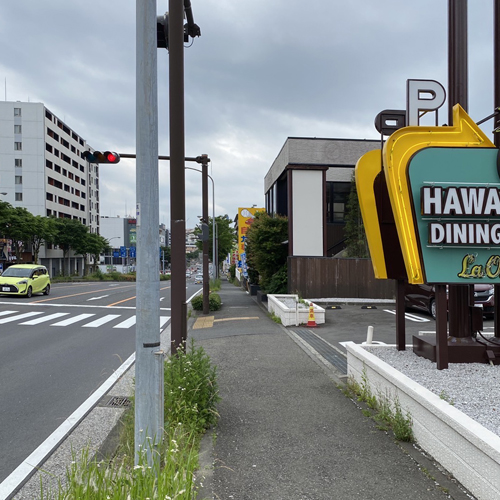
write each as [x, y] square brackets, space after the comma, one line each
[101, 156]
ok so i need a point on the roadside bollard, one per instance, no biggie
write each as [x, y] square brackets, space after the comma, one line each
[369, 335]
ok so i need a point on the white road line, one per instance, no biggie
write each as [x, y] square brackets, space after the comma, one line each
[19, 316]
[411, 317]
[127, 323]
[163, 320]
[43, 319]
[72, 320]
[4, 313]
[97, 298]
[101, 321]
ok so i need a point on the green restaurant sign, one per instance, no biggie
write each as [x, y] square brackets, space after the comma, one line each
[456, 202]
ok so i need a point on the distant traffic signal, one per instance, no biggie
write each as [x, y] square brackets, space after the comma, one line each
[101, 156]
[162, 31]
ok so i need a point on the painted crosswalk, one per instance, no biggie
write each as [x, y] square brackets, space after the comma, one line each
[85, 320]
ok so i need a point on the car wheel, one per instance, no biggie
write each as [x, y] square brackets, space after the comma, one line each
[432, 308]
[29, 292]
[47, 290]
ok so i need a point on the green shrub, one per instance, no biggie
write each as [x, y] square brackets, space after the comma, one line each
[97, 274]
[214, 302]
[278, 282]
[115, 275]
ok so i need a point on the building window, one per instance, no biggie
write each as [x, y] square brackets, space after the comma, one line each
[48, 164]
[19, 197]
[19, 179]
[18, 162]
[17, 111]
[50, 197]
[17, 129]
[18, 146]
[337, 196]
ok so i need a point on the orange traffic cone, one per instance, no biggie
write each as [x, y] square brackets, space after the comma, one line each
[311, 323]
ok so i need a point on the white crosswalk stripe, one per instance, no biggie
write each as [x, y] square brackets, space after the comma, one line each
[10, 319]
[126, 324]
[73, 319]
[44, 319]
[101, 321]
[4, 313]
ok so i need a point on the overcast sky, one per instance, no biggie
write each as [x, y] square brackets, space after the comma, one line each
[262, 71]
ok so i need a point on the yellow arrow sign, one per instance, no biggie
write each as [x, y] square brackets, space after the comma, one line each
[398, 151]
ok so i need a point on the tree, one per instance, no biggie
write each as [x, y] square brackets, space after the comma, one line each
[166, 255]
[226, 237]
[40, 234]
[69, 234]
[21, 230]
[354, 230]
[91, 244]
[267, 251]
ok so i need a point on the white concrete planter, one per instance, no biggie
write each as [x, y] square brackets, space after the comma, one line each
[296, 314]
[465, 448]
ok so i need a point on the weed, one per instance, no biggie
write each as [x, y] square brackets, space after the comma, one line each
[445, 397]
[387, 415]
[401, 424]
[275, 318]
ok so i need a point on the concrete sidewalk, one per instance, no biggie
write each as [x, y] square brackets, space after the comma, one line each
[286, 431]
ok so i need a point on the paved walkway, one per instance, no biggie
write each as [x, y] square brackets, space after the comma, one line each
[286, 431]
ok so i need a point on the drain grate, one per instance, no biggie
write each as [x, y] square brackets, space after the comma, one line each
[116, 402]
[323, 348]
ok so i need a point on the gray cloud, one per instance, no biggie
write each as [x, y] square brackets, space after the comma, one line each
[261, 71]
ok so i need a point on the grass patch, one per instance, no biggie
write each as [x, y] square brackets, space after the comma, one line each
[191, 395]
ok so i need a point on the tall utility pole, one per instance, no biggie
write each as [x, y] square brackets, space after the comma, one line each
[204, 214]
[460, 296]
[149, 357]
[177, 175]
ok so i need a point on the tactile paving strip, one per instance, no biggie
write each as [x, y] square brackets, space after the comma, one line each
[323, 348]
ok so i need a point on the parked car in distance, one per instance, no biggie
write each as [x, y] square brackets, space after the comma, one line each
[198, 279]
[423, 297]
[188, 274]
[25, 279]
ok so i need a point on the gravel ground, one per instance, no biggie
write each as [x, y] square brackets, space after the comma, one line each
[471, 387]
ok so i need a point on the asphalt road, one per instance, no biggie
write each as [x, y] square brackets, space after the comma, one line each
[56, 351]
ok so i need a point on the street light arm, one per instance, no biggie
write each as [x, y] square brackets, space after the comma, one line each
[193, 29]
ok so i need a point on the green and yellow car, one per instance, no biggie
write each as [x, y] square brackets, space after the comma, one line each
[25, 280]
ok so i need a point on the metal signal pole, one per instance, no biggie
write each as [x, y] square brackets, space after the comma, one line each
[149, 357]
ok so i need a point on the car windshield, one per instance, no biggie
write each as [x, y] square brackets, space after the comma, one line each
[16, 272]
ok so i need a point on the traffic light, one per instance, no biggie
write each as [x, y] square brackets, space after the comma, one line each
[162, 31]
[101, 156]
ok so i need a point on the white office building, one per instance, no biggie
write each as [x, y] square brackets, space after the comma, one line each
[41, 169]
